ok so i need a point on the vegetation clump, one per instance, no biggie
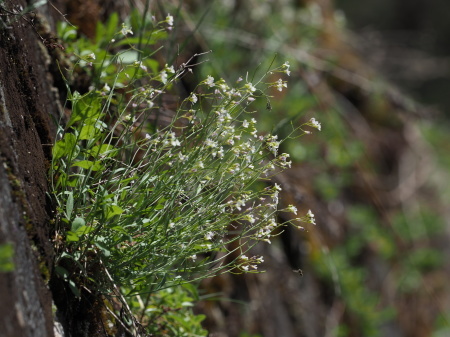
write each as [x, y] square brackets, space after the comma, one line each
[149, 199]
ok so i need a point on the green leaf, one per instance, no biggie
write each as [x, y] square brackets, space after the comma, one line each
[111, 26]
[84, 230]
[64, 146]
[85, 108]
[68, 32]
[120, 230]
[69, 205]
[89, 165]
[104, 149]
[128, 57]
[65, 275]
[72, 182]
[74, 288]
[112, 211]
[77, 223]
[160, 204]
[88, 132]
[71, 236]
[62, 272]
[100, 244]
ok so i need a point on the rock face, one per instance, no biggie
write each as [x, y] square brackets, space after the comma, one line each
[27, 99]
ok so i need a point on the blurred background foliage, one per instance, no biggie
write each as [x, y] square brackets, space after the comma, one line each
[374, 73]
[409, 40]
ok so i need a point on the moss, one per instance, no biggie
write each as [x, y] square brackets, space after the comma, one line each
[45, 272]
[16, 184]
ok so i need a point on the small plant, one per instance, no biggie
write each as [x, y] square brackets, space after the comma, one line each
[148, 200]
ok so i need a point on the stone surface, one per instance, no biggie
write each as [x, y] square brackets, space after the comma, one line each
[27, 99]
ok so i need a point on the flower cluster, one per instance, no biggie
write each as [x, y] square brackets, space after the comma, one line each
[126, 30]
[250, 263]
[310, 217]
[169, 20]
[315, 124]
[280, 84]
[184, 188]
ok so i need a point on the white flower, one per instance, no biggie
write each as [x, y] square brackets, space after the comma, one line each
[310, 215]
[91, 56]
[239, 204]
[163, 76]
[280, 84]
[250, 218]
[147, 136]
[193, 98]
[210, 81]
[219, 153]
[250, 88]
[245, 268]
[209, 236]
[315, 124]
[225, 88]
[234, 169]
[273, 144]
[169, 19]
[210, 143]
[244, 257]
[286, 65]
[223, 115]
[173, 139]
[140, 65]
[292, 209]
[182, 157]
[245, 124]
[125, 30]
[170, 69]
[282, 159]
[193, 257]
[106, 88]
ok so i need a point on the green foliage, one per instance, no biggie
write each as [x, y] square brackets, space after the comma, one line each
[169, 312]
[6, 257]
[154, 205]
